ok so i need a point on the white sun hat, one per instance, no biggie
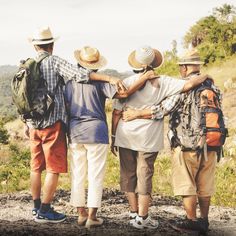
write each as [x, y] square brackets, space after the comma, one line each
[42, 35]
[145, 56]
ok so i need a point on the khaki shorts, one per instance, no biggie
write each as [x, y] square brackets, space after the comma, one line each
[49, 149]
[136, 171]
[192, 175]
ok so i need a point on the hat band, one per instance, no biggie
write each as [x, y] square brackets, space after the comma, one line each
[89, 61]
[42, 39]
[190, 59]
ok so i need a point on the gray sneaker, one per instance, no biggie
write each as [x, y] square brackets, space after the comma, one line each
[148, 223]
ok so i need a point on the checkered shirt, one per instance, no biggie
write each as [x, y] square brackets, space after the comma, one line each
[164, 108]
[54, 69]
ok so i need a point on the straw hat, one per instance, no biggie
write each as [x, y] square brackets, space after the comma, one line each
[191, 57]
[42, 36]
[145, 56]
[90, 58]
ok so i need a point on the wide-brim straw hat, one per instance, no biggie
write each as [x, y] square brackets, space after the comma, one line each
[191, 57]
[145, 56]
[42, 36]
[90, 58]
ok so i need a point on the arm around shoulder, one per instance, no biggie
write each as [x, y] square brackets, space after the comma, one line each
[194, 82]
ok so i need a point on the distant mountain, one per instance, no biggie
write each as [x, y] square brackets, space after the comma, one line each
[7, 109]
[7, 69]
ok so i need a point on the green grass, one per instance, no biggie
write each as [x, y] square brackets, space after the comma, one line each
[14, 176]
[14, 159]
[14, 173]
[225, 194]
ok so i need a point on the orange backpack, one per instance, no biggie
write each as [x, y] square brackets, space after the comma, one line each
[212, 121]
[198, 124]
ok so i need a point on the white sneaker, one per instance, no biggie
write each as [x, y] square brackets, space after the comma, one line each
[148, 223]
[132, 216]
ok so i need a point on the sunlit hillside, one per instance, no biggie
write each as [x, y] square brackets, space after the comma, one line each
[222, 71]
[15, 155]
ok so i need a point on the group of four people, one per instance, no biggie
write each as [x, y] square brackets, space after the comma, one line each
[141, 102]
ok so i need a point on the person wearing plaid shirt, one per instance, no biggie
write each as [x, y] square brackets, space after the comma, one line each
[48, 135]
[192, 175]
[155, 112]
[140, 140]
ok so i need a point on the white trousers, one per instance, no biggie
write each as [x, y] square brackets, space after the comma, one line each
[87, 159]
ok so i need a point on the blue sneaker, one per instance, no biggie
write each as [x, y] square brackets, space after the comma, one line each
[35, 211]
[50, 216]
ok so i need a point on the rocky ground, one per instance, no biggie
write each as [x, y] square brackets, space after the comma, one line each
[16, 219]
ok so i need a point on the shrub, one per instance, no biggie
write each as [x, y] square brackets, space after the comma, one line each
[3, 134]
[14, 174]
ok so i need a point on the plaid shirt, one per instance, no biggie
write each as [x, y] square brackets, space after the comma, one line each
[54, 69]
[164, 108]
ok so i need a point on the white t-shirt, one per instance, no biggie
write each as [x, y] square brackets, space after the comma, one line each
[145, 135]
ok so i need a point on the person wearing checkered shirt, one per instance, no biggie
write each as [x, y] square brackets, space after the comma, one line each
[48, 136]
[139, 141]
[192, 175]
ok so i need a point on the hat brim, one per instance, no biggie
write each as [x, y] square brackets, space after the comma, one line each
[157, 61]
[42, 42]
[90, 65]
[190, 63]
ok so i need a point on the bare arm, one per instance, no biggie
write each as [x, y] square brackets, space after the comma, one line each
[194, 81]
[132, 114]
[116, 115]
[106, 78]
[156, 112]
[136, 85]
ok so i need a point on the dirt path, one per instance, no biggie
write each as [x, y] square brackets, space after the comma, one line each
[16, 219]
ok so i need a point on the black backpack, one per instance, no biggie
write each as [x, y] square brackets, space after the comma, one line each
[29, 91]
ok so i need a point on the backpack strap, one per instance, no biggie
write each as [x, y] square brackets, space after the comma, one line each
[41, 57]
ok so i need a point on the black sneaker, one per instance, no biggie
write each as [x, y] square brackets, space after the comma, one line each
[204, 225]
[187, 225]
[50, 216]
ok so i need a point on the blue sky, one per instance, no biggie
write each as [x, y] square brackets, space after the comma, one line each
[115, 27]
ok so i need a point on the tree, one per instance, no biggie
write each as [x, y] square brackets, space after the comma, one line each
[169, 66]
[225, 13]
[215, 35]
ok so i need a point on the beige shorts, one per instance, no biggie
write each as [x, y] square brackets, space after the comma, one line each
[192, 175]
[136, 171]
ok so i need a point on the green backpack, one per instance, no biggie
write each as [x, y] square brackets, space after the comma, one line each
[29, 91]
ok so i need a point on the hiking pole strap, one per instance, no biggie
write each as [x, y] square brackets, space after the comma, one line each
[205, 151]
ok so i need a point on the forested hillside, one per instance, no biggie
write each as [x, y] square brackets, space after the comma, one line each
[6, 108]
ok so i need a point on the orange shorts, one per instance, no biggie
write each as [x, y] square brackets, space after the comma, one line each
[49, 149]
